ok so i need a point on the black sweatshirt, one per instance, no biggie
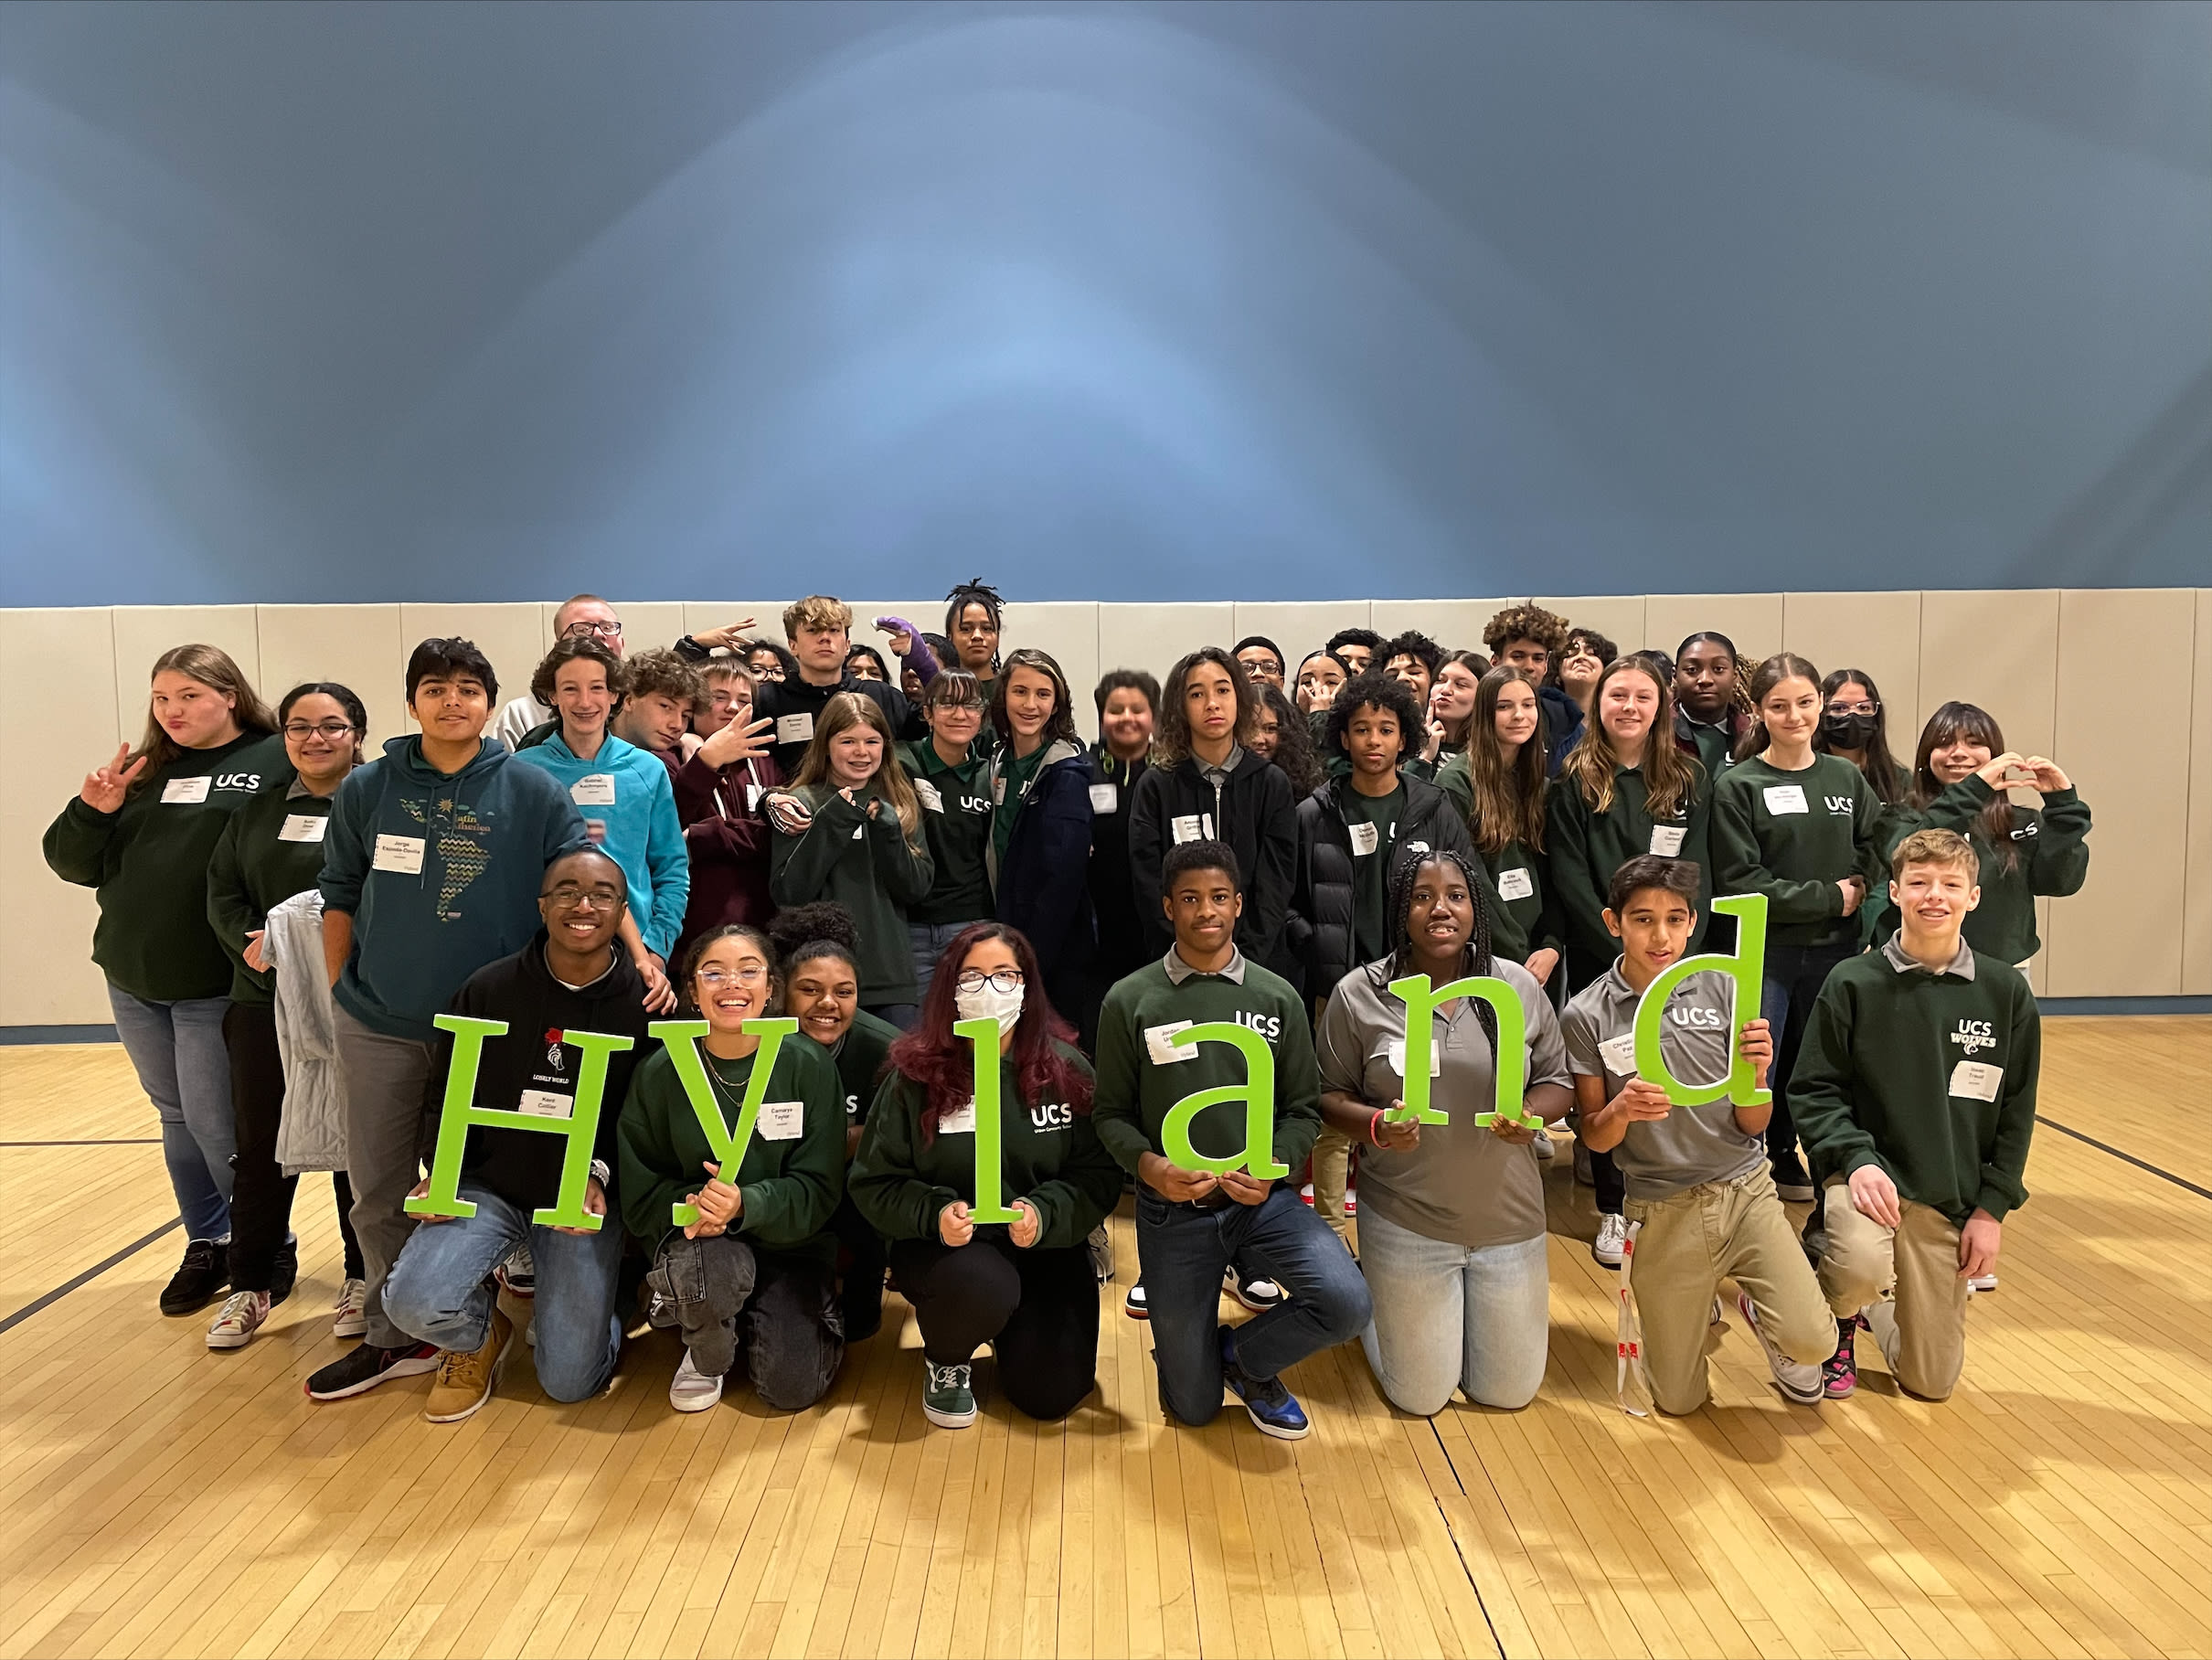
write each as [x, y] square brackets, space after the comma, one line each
[1254, 813]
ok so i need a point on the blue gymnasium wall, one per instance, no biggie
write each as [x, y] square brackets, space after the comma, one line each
[1288, 301]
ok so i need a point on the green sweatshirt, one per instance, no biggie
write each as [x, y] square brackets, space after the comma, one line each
[868, 867]
[1928, 1076]
[1585, 847]
[790, 1187]
[1793, 837]
[2053, 859]
[956, 818]
[148, 860]
[1135, 1089]
[1049, 1154]
[858, 1057]
[1520, 922]
[271, 849]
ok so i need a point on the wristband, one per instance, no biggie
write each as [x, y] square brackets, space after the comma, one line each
[1374, 1124]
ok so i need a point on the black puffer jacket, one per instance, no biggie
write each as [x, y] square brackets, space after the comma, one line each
[1253, 812]
[1322, 929]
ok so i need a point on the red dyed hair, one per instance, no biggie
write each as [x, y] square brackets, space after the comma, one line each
[944, 1065]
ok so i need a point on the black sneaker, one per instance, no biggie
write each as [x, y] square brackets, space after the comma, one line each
[199, 1280]
[362, 1368]
[286, 1273]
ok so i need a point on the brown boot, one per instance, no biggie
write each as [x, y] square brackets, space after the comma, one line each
[464, 1382]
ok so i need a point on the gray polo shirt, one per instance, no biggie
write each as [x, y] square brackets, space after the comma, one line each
[1463, 1184]
[1691, 1145]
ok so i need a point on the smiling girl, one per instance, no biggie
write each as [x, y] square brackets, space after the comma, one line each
[1497, 782]
[948, 770]
[1039, 784]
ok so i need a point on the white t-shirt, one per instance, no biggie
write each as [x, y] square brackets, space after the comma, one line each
[518, 720]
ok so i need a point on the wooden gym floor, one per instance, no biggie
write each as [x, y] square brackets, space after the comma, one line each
[158, 1499]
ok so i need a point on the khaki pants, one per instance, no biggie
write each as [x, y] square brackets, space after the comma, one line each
[1690, 1241]
[1331, 1170]
[1923, 1337]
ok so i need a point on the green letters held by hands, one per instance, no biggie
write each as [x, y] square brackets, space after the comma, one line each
[460, 1112]
[1257, 1092]
[681, 1037]
[1747, 968]
[983, 1038]
[1416, 992]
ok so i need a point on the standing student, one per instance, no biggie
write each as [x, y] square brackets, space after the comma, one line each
[1855, 724]
[583, 616]
[1192, 1226]
[767, 661]
[819, 951]
[139, 833]
[754, 1276]
[719, 678]
[1529, 638]
[1414, 658]
[866, 662]
[1452, 1216]
[575, 976]
[1959, 773]
[660, 689]
[1281, 735]
[820, 631]
[718, 794]
[271, 849]
[430, 870]
[1355, 648]
[974, 619]
[1695, 1175]
[1319, 677]
[1712, 709]
[1206, 785]
[1497, 783]
[625, 795]
[1128, 702]
[1039, 780]
[1587, 654]
[1349, 833]
[1804, 829]
[949, 769]
[1451, 707]
[1025, 1286]
[1260, 658]
[850, 830]
[1916, 1089]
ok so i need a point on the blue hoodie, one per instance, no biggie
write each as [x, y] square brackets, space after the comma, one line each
[629, 808]
[440, 874]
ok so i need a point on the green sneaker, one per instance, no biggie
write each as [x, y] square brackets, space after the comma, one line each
[947, 1401]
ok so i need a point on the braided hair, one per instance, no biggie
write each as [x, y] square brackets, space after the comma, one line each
[1476, 958]
[974, 591]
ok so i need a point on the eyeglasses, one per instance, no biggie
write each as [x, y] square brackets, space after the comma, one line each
[299, 731]
[1855, 709]
[606, 631]
[1004, 980]
[714, 979]
[569, 896]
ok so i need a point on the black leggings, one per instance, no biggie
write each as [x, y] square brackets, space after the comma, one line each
[1038, 1309]
[261, 1194]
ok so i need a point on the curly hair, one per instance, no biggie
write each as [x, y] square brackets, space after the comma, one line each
[1547, 628]
[662, 671]
[1173, 719]
[822, 927]
[1294, 753]
[1415, 645]
[1375, 689]
[568, 649]
[974, 591]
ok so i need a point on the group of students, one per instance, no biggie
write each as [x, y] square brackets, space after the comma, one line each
[881, 846]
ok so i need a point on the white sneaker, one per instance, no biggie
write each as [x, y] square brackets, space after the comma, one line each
[1546, 1149]
[1612, 1243]
[350, 1318]
[690, 1390]
[1800, 1381]
[518, 1274]
[240, 1316]
[1983, 1283]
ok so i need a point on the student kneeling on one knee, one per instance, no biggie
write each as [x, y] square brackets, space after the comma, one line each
[1917, 1088]
[1191, 1224]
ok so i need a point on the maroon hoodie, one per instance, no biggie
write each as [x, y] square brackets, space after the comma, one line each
[728, 841]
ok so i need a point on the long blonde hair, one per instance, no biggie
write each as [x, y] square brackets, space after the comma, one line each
[1671, 779]
[1508, 804]
[212, 666]
[844, 711]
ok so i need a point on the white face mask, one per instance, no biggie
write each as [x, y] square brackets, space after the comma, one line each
[988, 1003]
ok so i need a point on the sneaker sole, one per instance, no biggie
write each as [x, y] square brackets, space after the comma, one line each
[402, 1368]
[703, 1404]
[947, 1421]
[1136, 1313]
[226, 1341]
[1237, 1296]
[1829, 1392]
[349, 1328]
[1277, 1431]
[1599, 1256]
[469, 1410]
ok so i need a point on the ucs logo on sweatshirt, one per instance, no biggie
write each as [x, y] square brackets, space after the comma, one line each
[1697, 1017]
[1974, 1036]
[1052, 1115]
[1840, 805]
[247, 781]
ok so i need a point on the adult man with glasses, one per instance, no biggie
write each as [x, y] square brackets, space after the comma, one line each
[571, 979]
[587, 616]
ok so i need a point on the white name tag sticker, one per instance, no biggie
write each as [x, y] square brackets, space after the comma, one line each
[1105, 798]
[1396, 1056]
[1517, 884]
[1786, 798]
[1365, 838]
[794, 728]
[1159, 1043]
[544, 1103]
[781, 1121]
[1188, 827]
[960, 1121]
[1666, 840]
[1619, 1054]
[931, 799]
[859, 831]
[593, 790]
[1976, 1080]
[187, 790]
[302, 827]
[399, 854]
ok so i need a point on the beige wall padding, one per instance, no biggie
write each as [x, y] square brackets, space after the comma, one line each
[2044, 662]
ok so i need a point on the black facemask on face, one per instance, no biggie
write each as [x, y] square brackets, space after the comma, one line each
[1846, 732]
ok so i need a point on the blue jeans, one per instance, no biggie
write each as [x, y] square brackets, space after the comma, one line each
[1794, 975]
[929, 940]
[184, 1067]
[1183, 1249]
[439, 1290]
[1446, 1317]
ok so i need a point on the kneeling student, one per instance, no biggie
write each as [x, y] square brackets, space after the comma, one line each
[1918, 1080]
[1024, 1287]
[1695, 1177]
[573, 977]
[758, 1270]
[1192, 1224]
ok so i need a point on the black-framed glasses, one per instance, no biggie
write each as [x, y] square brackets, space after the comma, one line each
[582, 626]
[1002, 980]
[299, 731]
[569, 896]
